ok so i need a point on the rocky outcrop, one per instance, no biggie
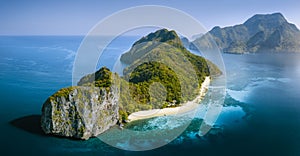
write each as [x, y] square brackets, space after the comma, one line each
[80, 112]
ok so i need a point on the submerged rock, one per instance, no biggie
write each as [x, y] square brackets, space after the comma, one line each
[80, 112]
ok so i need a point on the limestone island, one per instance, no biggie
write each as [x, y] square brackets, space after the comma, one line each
[260, 33]
[162, 78]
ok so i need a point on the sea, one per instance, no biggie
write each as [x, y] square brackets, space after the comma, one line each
[260, 114]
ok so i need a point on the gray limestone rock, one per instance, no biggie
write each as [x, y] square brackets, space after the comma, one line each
[80, 112]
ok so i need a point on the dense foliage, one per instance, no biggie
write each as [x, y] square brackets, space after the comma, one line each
[147, 73]
[161, 73]
[101, 78]
[149, 42]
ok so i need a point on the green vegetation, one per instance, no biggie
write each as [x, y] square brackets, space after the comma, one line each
[64, 92]
[102, 78]
[161, 73]
[161, 58]
[147, 73]
[147, 43]
[122, 115]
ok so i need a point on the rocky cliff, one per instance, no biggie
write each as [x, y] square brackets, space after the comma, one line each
[80, 111]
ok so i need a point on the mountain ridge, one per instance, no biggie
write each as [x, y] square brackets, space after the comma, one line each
[260, 33]
[152, 40]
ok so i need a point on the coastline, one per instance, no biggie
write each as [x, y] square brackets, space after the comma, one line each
[186, 107]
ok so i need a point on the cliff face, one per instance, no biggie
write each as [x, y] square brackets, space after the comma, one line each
[80, 112]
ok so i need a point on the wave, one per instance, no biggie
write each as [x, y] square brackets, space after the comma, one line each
[70, 53]
[243, 94]
[240, 96]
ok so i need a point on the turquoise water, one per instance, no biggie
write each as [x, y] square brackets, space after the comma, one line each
[261, 117]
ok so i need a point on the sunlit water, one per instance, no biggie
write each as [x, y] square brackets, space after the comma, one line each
[261, 114]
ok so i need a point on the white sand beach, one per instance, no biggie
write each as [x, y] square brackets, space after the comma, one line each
[186, 107]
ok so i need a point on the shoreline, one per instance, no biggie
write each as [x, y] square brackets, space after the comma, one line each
[186, 107]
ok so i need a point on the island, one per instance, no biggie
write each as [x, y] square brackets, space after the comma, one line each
[162, 78]
[260, 33]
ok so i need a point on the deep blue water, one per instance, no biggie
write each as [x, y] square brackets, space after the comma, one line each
[262, 116]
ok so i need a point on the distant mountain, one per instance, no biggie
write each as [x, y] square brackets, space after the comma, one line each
[197, 36]
[260, 33]
[185, 41]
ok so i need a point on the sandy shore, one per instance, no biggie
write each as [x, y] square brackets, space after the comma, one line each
[186, 107]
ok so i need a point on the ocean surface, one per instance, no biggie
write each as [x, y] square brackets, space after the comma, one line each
[261, 113]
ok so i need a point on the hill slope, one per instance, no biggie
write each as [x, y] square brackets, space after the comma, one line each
[161, 73]
[260, 33]
[161, 57]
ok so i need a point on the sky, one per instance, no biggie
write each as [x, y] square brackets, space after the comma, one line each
[68, 17]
